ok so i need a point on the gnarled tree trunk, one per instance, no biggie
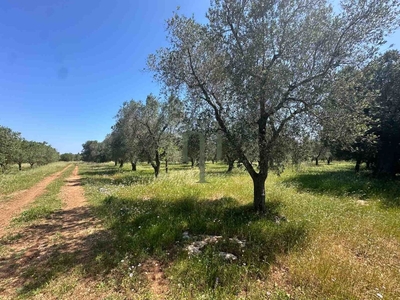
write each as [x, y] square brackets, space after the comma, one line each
[156, 164]
[133, 166]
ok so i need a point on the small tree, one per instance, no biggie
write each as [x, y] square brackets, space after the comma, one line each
[126, 131]
[142, 131]
[21, 152]
[158, 119]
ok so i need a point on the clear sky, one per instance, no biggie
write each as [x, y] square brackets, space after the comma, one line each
[66, 66]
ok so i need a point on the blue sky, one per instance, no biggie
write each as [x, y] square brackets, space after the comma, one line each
[67, 66]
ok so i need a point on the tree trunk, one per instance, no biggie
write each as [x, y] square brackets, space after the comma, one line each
[115, 163]
[230, 166]
[31, 164]
[192, 161]
[358, 163]
[316, 161]
[386, 162]
[121, 163]
[19, 166]
[133, 166]
[166, 165]
[259, 193]
[156, 166]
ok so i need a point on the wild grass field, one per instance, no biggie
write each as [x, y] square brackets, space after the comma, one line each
[329, 234]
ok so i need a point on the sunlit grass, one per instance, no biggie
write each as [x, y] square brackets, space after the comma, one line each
[328, 234]
[341, 239]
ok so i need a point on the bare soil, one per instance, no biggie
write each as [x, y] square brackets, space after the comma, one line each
[156, 277]
[72, 192]
[14, 206]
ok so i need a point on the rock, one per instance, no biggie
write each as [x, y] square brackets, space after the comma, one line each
[227, 256]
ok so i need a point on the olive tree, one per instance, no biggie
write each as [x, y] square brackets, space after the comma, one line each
[262, 66]
[145, 130]
[125, 143]
[385, 73]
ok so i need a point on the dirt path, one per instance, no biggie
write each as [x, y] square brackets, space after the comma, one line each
[12, 207]
[50, 248]
[68, 255]
[72, 192]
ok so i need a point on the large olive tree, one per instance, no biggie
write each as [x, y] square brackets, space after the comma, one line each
[261, 66]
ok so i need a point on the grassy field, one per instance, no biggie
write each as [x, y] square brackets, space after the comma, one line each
[329, 234]
[14, 180]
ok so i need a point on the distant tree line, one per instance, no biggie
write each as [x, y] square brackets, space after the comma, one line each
[14, 149]
[70, 157]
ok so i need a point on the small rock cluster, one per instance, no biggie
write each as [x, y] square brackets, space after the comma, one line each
[195, 247]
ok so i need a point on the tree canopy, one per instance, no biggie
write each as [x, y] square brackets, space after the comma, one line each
[14, 149]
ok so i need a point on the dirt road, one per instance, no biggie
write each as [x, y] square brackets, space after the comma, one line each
[11, 208]
[72, 192]
[61, 242]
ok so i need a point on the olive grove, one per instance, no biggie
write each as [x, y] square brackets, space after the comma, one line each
[265, 68]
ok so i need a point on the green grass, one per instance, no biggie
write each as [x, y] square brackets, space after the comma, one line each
[15, 180]
[341, 240]
[328, 234]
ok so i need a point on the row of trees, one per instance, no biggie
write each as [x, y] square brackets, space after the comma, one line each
[359, 120]
[143, 131]
[272, 78]
[14, 149]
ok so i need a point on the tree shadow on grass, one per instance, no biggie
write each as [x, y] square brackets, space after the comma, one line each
[348, 183]
[154, 228]
[100, 170]
[126, 179]
[45, 251]
[140, 230]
